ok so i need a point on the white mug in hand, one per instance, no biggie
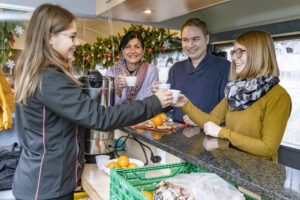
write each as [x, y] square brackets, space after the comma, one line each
[163, 86]
[175, 94]
[130, 80]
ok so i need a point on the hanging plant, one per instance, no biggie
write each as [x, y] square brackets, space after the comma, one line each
[106, 52]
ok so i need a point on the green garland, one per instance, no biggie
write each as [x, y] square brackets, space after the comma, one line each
[157, 40]
[9, 30]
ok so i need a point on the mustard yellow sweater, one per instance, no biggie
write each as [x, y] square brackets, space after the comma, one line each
[258, 130]
[7, 104]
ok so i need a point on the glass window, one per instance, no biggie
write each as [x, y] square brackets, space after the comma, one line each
[288, 57]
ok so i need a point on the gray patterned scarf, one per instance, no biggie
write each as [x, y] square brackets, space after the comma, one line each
[241, 94]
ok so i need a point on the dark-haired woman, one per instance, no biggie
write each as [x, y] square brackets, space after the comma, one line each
[132, 63]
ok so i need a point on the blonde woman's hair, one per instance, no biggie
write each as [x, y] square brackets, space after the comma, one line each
[47, 19]
[261, 57]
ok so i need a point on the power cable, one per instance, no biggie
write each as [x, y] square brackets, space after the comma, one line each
[154, 159]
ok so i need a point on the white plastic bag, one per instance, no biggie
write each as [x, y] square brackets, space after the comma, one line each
[201, 186]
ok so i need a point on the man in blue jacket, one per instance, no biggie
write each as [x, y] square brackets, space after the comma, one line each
[202, 77]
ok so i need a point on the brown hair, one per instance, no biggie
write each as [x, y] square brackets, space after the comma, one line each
[47, 19]
[196, 22]
[129, 36]
[261, 57]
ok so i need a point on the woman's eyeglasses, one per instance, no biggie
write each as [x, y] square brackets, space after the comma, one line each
[238, 52]
[71, 36]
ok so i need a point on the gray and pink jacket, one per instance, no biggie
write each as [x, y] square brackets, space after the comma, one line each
[51, 130]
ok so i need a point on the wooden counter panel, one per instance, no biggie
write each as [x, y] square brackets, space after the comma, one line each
[95, 182]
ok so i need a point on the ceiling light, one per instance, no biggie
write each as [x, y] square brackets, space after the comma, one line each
[147, 12]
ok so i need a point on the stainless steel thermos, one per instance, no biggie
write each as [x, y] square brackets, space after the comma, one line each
[101, 89]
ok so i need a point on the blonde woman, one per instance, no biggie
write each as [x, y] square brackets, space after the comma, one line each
[52, 110]
[255, 108]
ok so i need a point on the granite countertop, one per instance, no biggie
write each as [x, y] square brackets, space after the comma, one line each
[265, 178]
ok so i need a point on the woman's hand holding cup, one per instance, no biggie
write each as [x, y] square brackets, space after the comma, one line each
[164, 86]
[158, 86]
[120, 84]
[154, 87]
[165, 97]
[181, 101]
[121, 81]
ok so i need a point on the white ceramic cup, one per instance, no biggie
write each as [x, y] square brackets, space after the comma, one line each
[175, 94]
[101, 159]
[130, 80]
[163, 86]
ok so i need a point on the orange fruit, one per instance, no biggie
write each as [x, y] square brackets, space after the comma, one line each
[157, 121]
[132, 165]
[113, 165]
[148, 194]
[156, 135]
[123, 161]
[163, 116]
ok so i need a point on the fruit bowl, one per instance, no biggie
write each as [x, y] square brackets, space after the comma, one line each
[131, 160]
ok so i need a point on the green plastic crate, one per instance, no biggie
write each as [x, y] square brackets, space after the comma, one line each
[127, 184]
